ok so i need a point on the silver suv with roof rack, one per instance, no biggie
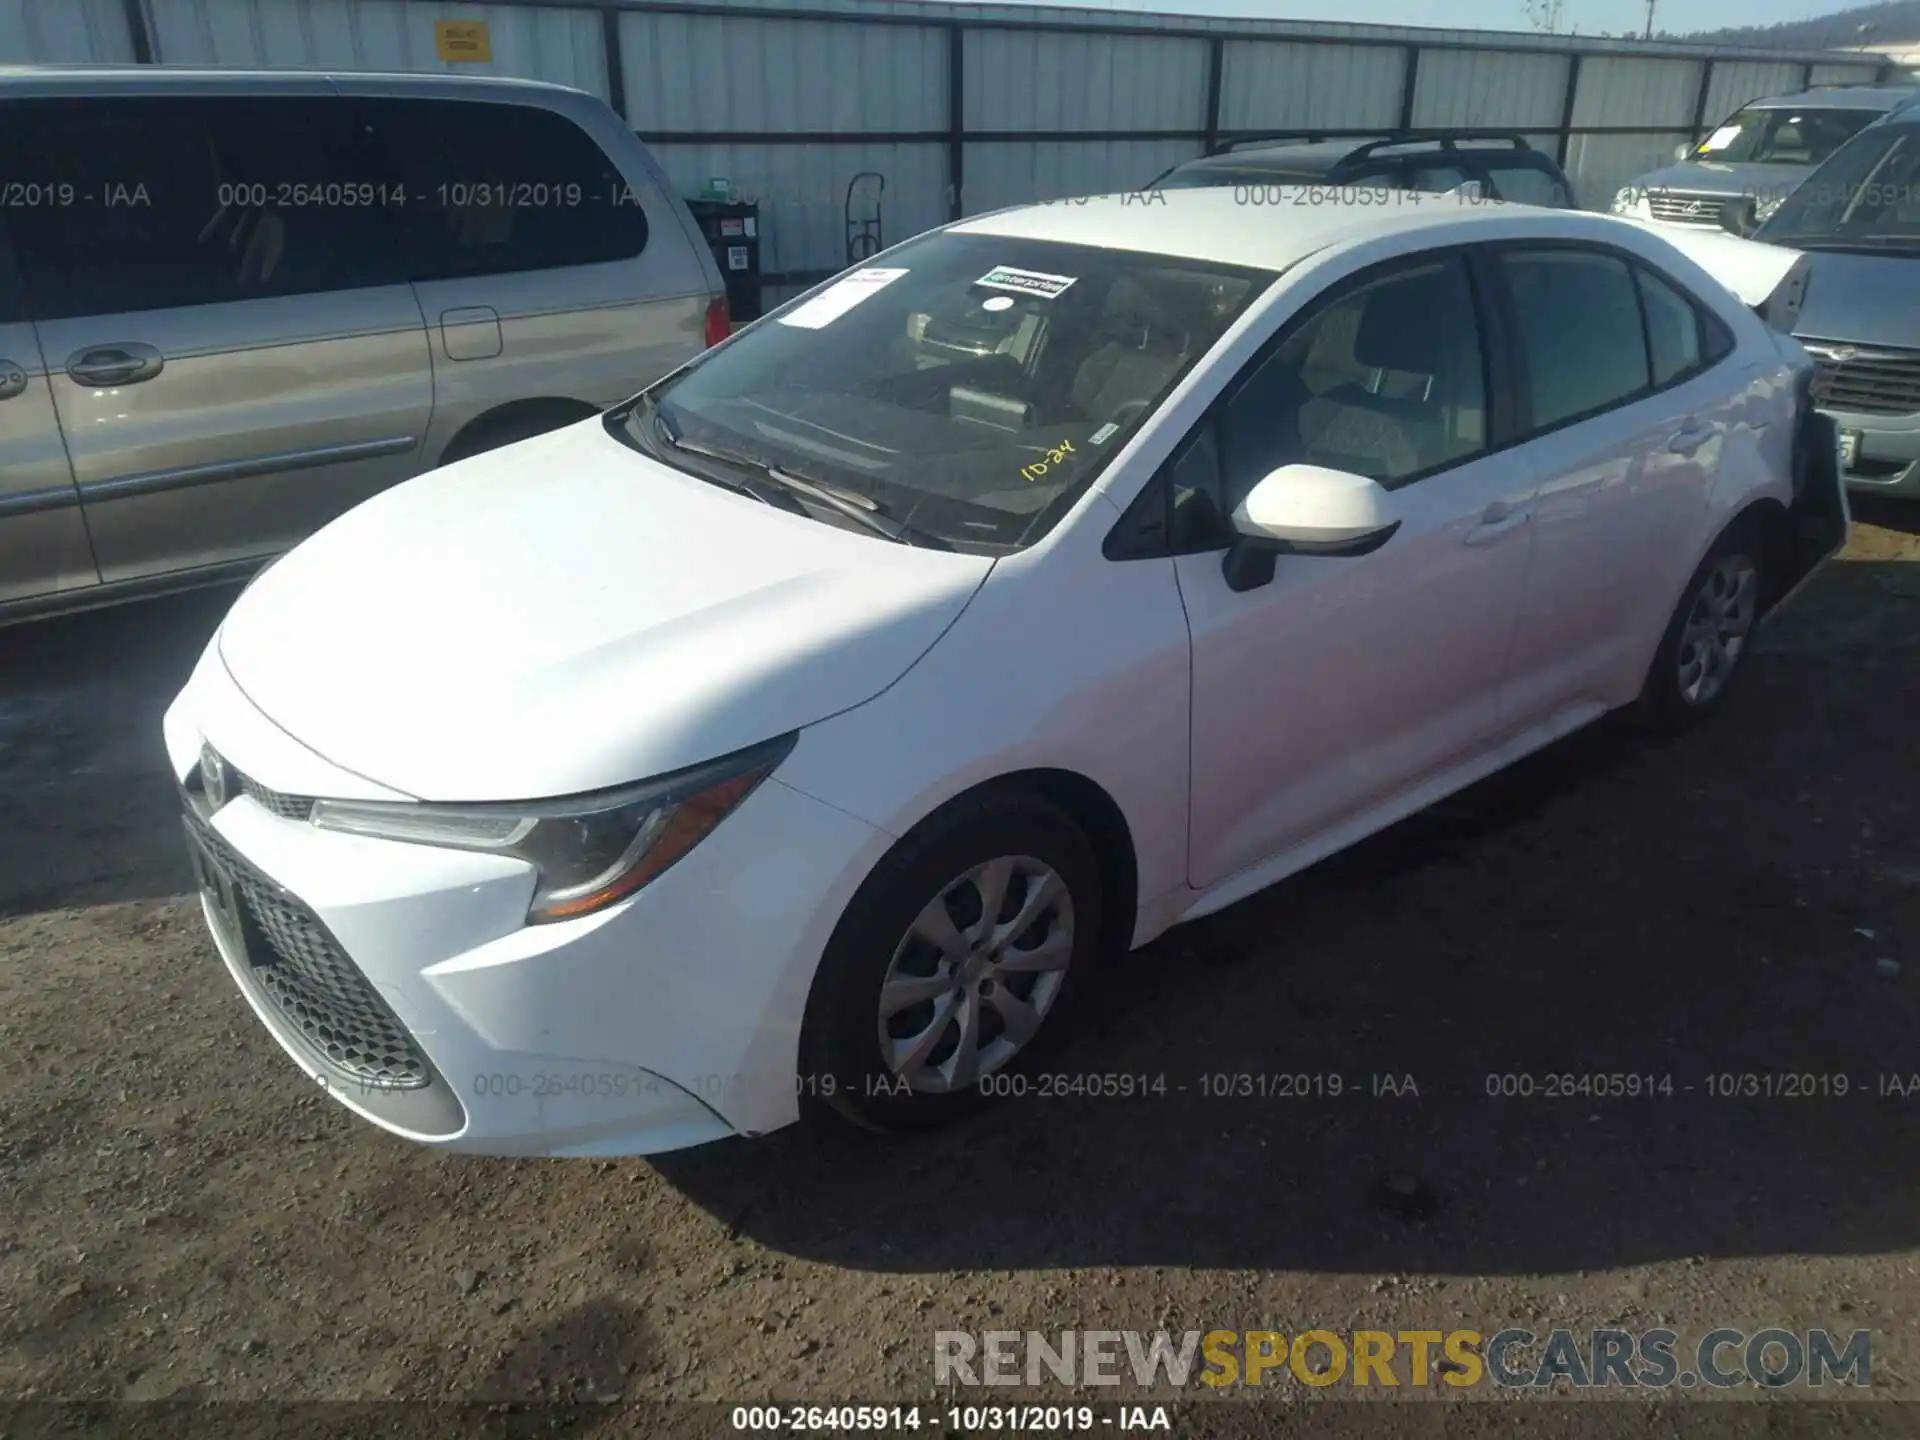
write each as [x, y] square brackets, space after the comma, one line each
[1757, 156]
[1498, 165]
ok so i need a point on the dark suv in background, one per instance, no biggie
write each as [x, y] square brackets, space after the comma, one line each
[1502, 166]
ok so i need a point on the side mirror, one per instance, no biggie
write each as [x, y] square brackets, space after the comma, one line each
[1740, 217]
[1682, 150]
[1306, 510]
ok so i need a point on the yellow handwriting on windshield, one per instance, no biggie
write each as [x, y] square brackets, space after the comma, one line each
[1039, 468]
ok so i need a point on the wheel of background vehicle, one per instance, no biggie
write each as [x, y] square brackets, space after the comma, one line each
[505, 428]
[955, 963]
[1706, 643]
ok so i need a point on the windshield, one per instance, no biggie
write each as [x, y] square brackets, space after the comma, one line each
[970, 388]
[1782, 136]
[1867, 196]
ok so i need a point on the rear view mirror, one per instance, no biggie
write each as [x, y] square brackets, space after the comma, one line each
[1682, 150]
[1306, 510]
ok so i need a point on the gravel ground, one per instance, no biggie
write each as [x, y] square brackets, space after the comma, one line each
[186, 1219]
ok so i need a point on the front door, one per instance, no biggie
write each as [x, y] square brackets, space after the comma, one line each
[233, 351]
[1348, 680]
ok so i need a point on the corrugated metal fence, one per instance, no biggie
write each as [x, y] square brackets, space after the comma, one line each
[966, 108]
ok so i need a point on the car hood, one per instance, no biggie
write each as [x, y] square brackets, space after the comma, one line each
[566, 614]
[1710, 177]
[1862, 299]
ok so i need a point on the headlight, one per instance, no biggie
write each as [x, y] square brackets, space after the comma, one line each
[588, 851]
[1626, 198]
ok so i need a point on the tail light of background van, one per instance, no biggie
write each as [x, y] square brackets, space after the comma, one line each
[719, 322]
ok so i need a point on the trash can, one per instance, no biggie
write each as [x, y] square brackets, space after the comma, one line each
[732, 228]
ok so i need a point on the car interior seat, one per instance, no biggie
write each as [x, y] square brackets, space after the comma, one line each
[1364, 428]
[1141, 340]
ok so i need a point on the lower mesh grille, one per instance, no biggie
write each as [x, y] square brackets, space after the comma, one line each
[318, 991]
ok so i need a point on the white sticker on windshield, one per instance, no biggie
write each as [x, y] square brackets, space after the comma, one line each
[837, 299]
[1721, 138]
[997, 303]
[1026, 282]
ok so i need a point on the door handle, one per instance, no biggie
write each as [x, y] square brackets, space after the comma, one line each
[1498, 520]
[1689, 438]
[13, 379]
[127, 364]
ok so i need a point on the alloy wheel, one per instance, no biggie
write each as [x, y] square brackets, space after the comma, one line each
[975, 974]
[1718, 628]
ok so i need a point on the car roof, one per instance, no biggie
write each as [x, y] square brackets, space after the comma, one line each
[1320, 156]
[54, 80]
[1839, 97]
[1314, 155]
[1213, 225]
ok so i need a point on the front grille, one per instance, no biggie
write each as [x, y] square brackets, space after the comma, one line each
[318, 990]
[1867, 382]
[1684, 209]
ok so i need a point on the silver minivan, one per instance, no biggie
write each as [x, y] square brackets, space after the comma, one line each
[234, 304]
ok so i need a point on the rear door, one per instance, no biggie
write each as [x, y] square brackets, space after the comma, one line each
[43, 538]
[1627, 407]
[547, 268]
[234, 356]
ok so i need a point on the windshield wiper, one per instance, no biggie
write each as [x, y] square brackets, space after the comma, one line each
[860, 509]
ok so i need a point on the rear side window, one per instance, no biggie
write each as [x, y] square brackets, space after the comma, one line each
[1581, 342]
[150, 203]
[1529, 185]
[1673, 330]
[495, 188]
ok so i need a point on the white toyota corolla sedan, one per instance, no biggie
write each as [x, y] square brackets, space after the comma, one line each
[807, 728]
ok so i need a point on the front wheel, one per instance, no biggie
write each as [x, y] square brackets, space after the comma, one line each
[954, 964]
[1708, 639]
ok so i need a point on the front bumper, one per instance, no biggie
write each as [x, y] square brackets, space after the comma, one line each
[404, 980]
[1887, 456]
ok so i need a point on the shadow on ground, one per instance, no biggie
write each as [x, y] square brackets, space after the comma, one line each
[1615, 907]
[91, 811]
[1714, 905]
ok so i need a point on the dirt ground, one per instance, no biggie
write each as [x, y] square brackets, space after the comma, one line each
[185, 1218]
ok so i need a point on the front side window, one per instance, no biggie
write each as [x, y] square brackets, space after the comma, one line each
[1781, 135]
[1385, 380]
[971, 387]
[1582, 347]
[149, 203]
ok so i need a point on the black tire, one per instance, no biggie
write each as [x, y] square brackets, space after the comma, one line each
[841, 1063]
[493, 432]
[1665, 701]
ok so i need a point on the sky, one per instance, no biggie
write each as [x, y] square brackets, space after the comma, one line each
[1588, 17]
